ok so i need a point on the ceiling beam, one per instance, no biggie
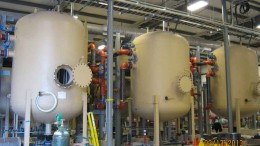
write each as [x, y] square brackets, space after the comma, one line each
[14, 11]
[30, 4]
[47, 7]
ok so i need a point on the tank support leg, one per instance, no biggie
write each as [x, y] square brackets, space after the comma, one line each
[27, 120]
[238, 124]
[156, 121]
[85, 114]
[192, 119]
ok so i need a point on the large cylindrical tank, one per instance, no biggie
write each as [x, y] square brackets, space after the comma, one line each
[244, 80]
[47, 46]
[161, 68]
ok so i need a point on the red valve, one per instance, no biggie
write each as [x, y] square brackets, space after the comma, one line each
[210, 73]
[92, 46]
[209, 106]
[209, 62]
[121, 104]
[193, 60]
[101, 106]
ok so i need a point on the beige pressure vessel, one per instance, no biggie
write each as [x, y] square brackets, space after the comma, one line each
[244, 81]
[161, 68]
[47, 46]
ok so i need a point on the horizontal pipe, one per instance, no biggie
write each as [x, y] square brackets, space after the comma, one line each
[187, 15]
[125, 65]
[123, 52]
[135, 32]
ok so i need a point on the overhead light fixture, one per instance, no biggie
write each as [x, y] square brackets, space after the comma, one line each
[101, 47]
[196, 5]
[257, 21]
[76, 16]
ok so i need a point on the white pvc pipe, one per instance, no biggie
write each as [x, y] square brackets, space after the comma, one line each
[11, 37]
[10, 54]
[47, 129]
[85, 114]
[27, 120]
[16, 124]
[72, 9]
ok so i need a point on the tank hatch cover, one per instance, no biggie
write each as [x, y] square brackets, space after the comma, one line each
[82, 75]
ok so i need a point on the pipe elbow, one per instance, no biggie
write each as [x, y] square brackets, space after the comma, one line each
[102, 53]
[95, 81]
[209, 62]
[193, 60]
[210, 73]
[124, 52]
[94, 69]
[92, 46]
[125, 65]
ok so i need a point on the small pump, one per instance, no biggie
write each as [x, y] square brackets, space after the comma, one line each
[61, 137]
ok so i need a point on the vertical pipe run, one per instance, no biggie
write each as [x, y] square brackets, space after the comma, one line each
[205, 111]
[101, 124]
[189, 123]
[164, 25]
[110, 75]
[6, 132]
[16, 124]
[192, 119]
[208, 90]
[200, 121]
[27, 119]
[85, 114]
[198, 83]
[122, 84]
[130, 120]
[93, 57]
[13, 132]
[47, 129]
[227, 67]
[72, 9]
[1, 126]
[118, 96]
